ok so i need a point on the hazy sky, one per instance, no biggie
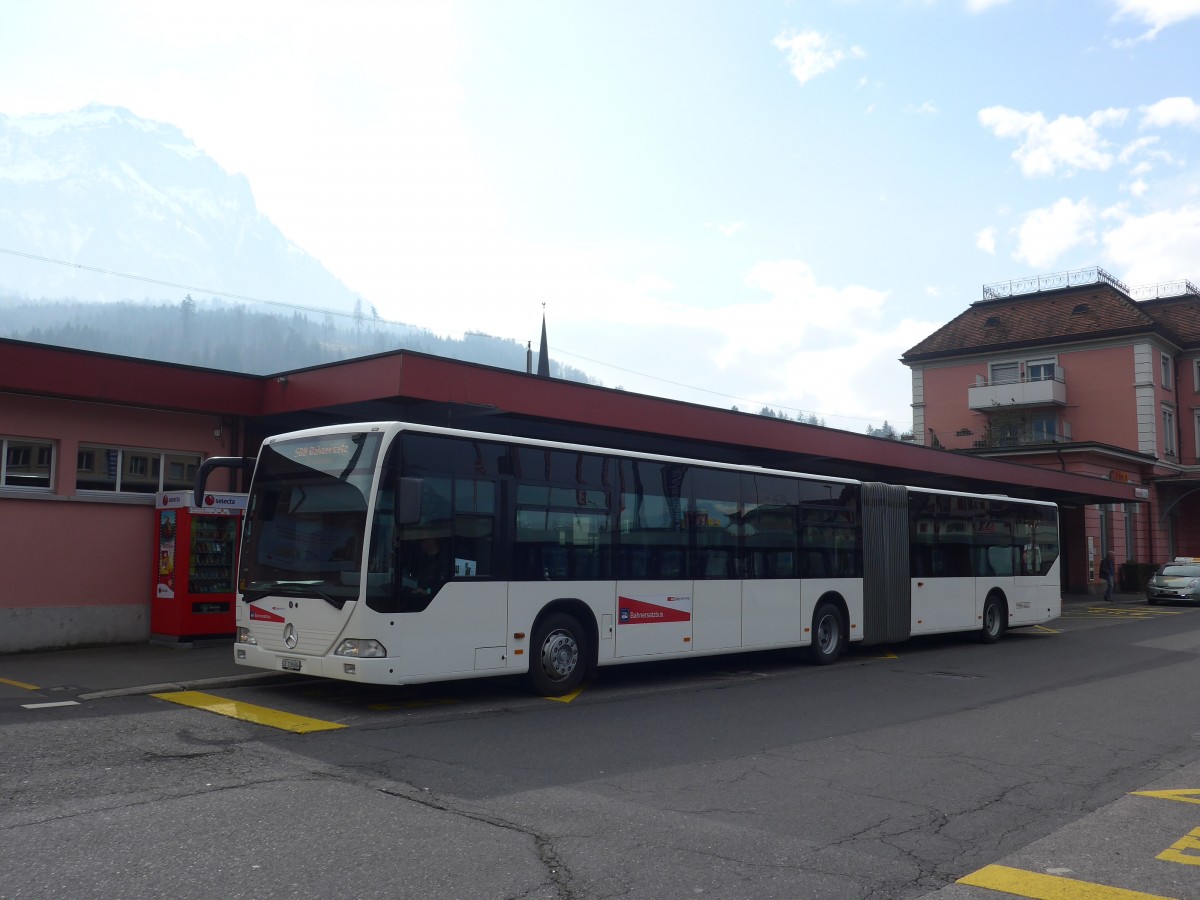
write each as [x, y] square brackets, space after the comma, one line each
[734, 203]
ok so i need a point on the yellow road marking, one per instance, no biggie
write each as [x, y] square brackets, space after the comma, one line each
[1121, 612]
[1048, 887]
[567, 698]
[20, 684]
[1042, 629]
[1190, 795]
[1184, 850]
[248, 712]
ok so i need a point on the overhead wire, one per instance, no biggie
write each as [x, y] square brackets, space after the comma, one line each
[375, 318]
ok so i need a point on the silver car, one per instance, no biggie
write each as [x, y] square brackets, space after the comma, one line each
[1178, 580]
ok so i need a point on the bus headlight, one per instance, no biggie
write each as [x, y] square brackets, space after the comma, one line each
[363, 649]
[245, 636]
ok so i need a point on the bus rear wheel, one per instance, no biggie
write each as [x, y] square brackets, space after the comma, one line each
[994, 614]
[828, 634]
[560, 655]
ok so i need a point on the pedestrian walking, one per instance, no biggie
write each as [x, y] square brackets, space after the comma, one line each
[1108, 571]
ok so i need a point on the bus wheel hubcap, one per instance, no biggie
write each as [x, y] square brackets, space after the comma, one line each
[827, 633]
[560, 655]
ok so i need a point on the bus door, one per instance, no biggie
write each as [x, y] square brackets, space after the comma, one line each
[654, 585]
[654, 601]
[454, 611]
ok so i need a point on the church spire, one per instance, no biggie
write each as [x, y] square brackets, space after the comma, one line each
[543, 369]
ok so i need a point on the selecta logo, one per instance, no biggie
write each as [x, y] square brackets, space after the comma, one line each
[210, 500]
[259, 614]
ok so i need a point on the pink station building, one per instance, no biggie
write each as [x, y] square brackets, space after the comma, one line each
[1078, 373]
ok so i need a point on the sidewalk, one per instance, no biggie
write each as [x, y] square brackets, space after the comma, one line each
[95, 672]
[1098, 599]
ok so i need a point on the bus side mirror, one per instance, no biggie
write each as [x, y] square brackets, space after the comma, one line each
[408, 501]
[245, 463]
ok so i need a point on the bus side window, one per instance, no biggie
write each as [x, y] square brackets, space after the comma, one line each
[474, 526]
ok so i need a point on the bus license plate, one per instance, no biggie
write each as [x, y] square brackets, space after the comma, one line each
[292, 664]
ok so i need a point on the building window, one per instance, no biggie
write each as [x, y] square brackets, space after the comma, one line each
[115, 470]
[1130, 533]
[1168, 425]
[1197, 436]
[26, 463]
[1166, 369]
[1040, 370]
[1006, 373]
[1105, 537]
[1043, 431]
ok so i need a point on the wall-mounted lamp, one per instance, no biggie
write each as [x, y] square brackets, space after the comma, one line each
[282, 379]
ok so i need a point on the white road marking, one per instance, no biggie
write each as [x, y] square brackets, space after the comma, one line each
[48, 705]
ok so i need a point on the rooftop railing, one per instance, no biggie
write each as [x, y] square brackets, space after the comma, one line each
[1059, 280]
[1164, 289]
[999, 290]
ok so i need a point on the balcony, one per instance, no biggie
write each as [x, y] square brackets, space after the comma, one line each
[1016, 394]
[1021, 438]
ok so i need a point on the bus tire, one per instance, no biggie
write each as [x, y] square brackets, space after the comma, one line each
[994, 620]
[560, 655]
[828, 634]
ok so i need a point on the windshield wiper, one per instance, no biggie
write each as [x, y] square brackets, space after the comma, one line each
[259, 589]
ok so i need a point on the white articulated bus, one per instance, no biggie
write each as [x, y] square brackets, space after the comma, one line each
[393, 553]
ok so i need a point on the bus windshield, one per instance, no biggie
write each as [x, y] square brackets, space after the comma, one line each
[306, 517]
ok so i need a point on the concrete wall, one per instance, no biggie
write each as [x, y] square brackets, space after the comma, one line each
[77, 568]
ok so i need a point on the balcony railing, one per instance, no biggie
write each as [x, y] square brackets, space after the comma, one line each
[1027, 439]
[1024, 392]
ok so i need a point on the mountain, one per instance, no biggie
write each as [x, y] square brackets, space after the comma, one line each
[103, 189]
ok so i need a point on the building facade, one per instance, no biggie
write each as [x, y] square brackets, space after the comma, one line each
[1079, 373]
[87, 439]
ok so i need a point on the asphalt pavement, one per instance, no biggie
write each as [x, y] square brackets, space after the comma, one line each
[90, 673]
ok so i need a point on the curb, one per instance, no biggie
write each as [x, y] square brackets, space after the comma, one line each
[171, 686]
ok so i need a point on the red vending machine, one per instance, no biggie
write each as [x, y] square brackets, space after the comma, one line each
[195, 565]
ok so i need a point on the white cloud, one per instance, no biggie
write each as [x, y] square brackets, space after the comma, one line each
[1138, 188]
[986, 240]
[1134, 147]
[1158, 14]
[1155, 247]
[1069, 142]
[978, 6]
[775, 346]
[811, 53]
[928, 108]
[1171, 111]
[1046, 234]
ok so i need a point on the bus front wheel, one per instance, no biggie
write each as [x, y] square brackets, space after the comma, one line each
[994, 614]
[828, 635]
[560, 655]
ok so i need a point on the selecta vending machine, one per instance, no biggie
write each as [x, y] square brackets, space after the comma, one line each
[195, 565]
